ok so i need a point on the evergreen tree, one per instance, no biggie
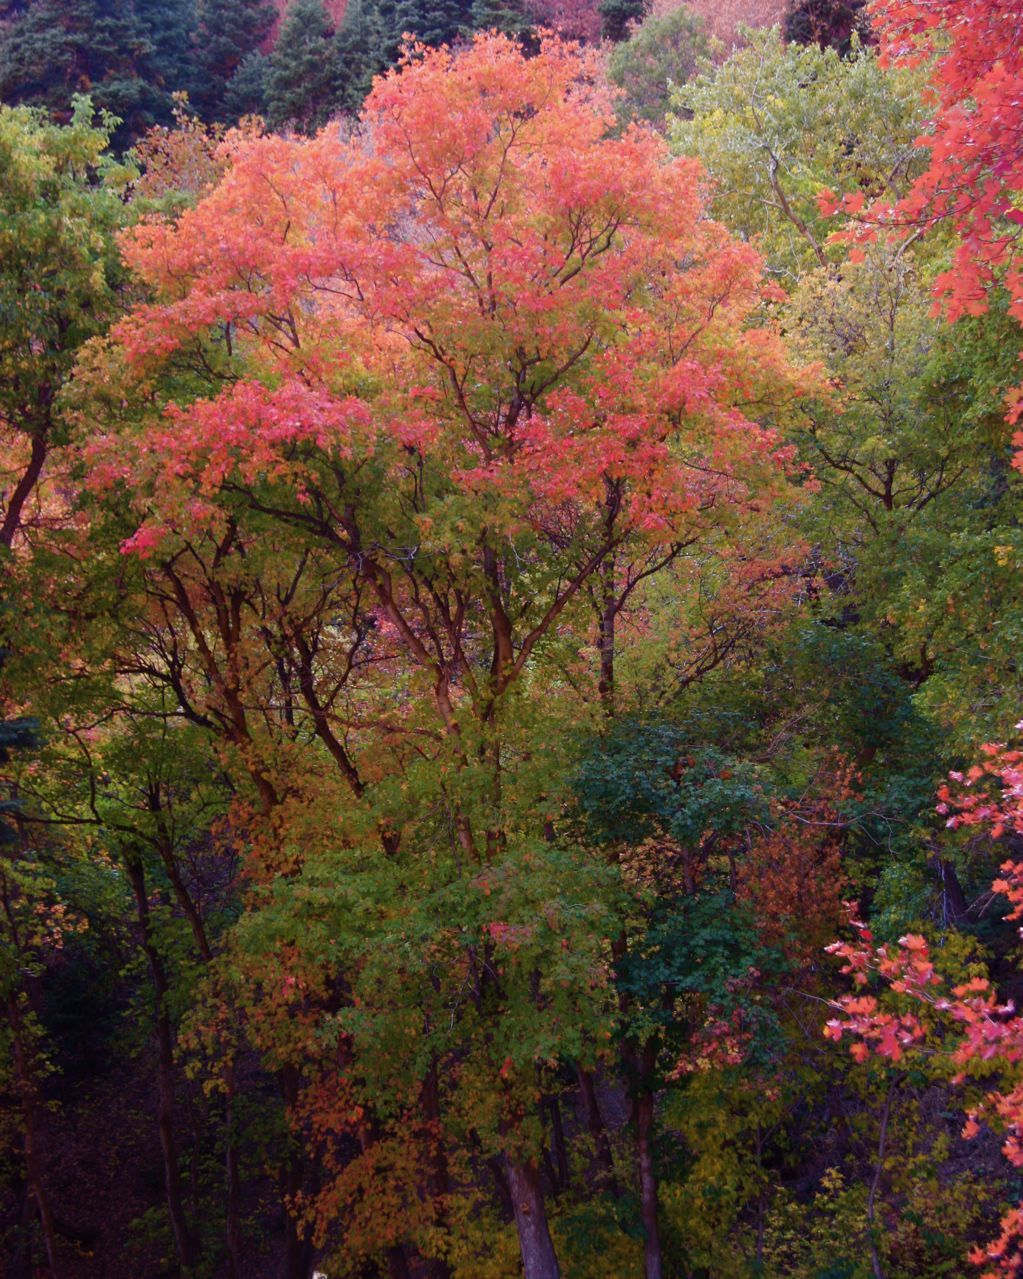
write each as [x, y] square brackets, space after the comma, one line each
[301, 73]
[229, 30]
[384, 29]
[509, 16]
[618, 15]
[170, 28]
[361, 51]
[434, 22]
[246, 90]
[130, 55]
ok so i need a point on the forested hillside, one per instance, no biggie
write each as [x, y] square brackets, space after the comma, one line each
[511, 758]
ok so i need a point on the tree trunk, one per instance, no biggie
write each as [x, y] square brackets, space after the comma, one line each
[298, 1257]
[233, 1224]
[644, 1117]
[953, 899]
[29, 1111]
[608, 616]
[183, 1240]
[23, 489]
[538, 1257]
[594, 1122]
[559, 1146]
[439, 1186]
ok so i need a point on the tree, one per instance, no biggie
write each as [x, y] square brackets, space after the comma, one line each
[27, 931]
[572, 19]
[462, 419]
[228, 32]
[617, 17]
[360, 53]
[60, 210]
[975, 173]
[661, 53]
[129, 55]
[927, 1014]
[777, 124]
[300, 77]
[511, 17]
[827, 23]
[434, 22]
[245, 94]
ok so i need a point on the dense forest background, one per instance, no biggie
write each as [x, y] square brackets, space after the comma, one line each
[510, 550]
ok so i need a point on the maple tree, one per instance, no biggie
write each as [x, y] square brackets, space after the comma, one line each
[465, 627]
[464, 418]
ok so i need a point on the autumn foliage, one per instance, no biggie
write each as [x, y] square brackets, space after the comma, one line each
[467, 632]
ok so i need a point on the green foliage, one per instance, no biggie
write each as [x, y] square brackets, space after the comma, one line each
[776, 124]
[663, 52]
[513, 17]
[373, 996]
[645, 781]
[360, 52]
[128, 55]
[245, 94]
[300, 75]
[228, 32]
[617, 17]
[59, 275]
[434, 22]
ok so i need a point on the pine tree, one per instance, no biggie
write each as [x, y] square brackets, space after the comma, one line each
[229, 30]
[434, 22]
[509, 16]
[246, 90]
[361, 51]
[301, 75]
[618, 15]
[170, 28]
[129, 55]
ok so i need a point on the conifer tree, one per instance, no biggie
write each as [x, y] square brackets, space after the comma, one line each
[361, 50]
[246, 90]
[301, 73]
[229, 30]
[434, 22]
[129, 55]
[170, 29]
[618, 15]
[509, 16]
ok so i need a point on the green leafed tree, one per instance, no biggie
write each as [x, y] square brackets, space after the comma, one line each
[778, 123]
[664, 51]
[59, 274]
[915, 526]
